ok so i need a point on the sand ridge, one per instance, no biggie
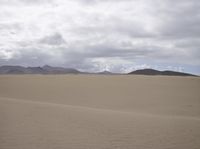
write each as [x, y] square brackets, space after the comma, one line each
[49, 104]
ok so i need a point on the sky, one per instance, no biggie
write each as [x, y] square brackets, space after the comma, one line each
[98, 35]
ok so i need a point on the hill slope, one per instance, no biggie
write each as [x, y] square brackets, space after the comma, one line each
[157, 72]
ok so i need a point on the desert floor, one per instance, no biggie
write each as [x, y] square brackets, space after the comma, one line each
[99, 112]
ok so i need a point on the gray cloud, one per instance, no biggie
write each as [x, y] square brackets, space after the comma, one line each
[95, 34]
[55, 39]
[182, 19]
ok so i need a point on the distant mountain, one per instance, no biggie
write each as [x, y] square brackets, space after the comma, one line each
[37, 70]
[105, 72]
[61, 70]
[12, 70]
[157, 72]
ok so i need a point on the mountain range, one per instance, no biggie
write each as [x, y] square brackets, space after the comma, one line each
[46, 69]
[37, 70]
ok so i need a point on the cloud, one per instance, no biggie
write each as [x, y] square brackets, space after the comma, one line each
[55, 39]
[181, 19]
[94, 35]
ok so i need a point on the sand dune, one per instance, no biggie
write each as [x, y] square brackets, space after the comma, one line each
[103, 112]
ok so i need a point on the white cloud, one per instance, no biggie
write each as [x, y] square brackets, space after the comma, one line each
[110, 34]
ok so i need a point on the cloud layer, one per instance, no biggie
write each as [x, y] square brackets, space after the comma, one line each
[95, 35]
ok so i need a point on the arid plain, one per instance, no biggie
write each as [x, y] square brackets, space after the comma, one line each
[99, 112]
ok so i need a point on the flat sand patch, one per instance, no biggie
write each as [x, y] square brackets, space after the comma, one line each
[103, 112]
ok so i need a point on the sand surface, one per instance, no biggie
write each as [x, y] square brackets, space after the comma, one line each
[99, 112]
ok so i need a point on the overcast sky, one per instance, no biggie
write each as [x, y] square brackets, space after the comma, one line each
[96, 35]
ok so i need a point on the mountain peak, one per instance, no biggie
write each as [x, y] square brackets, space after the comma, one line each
[46, 66]
[106, 72]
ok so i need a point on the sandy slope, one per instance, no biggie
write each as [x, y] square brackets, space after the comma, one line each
[126, 112]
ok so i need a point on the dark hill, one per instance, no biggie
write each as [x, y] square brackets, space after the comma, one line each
[157, 72]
